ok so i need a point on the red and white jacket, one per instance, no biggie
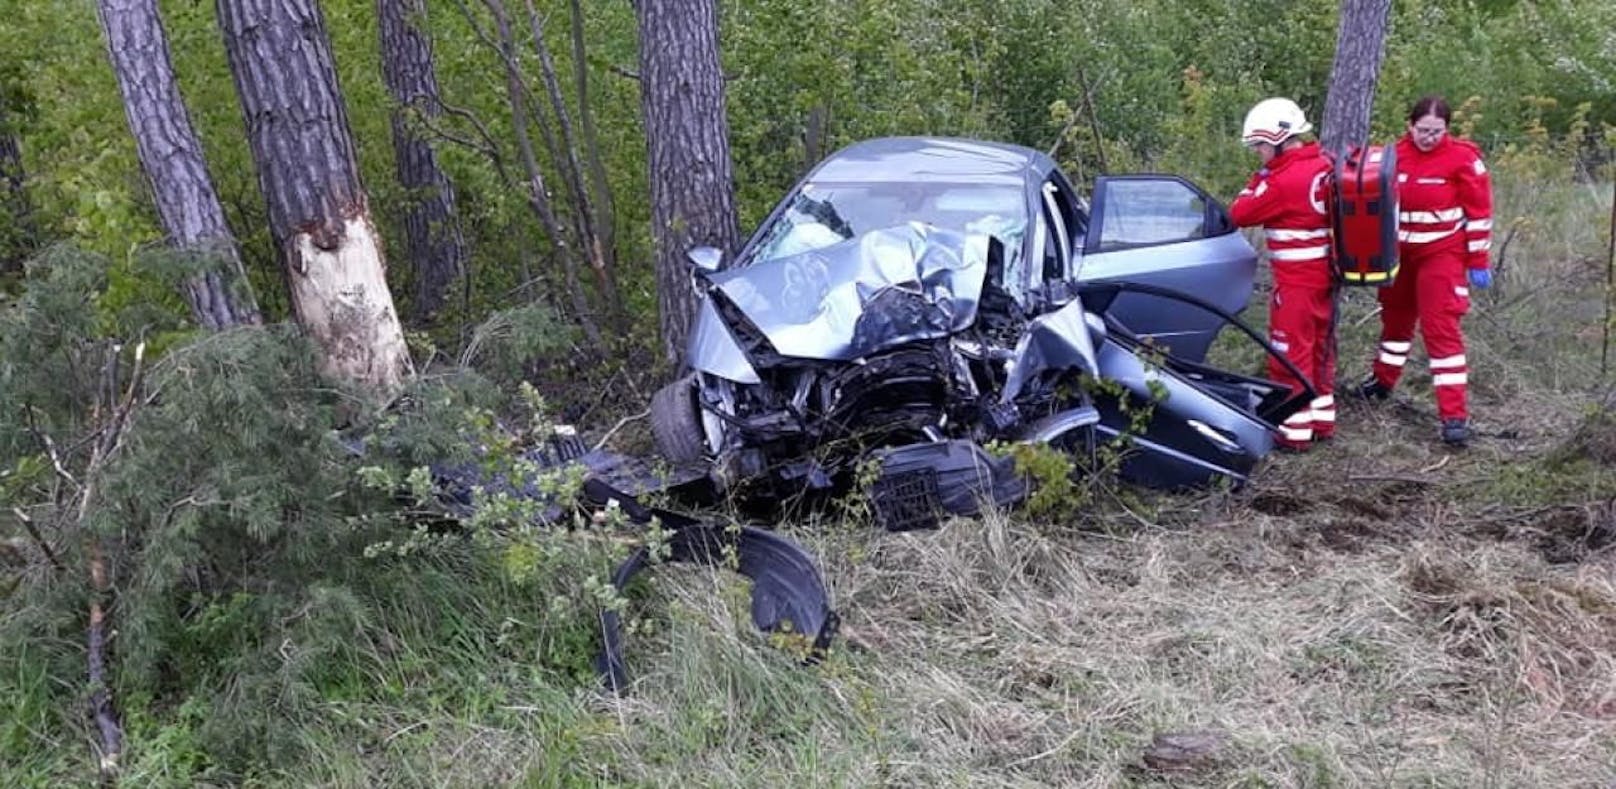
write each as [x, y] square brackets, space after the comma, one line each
[1446, 201]
[1287, 199]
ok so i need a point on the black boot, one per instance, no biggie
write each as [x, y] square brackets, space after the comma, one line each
[1373, 390]
[1455, 432]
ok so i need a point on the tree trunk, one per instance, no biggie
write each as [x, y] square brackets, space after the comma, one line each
[319, 219]
[1360, 44]
[538, 195]
[171, 156]
[687, 135]
[566, 159]
[17, 230]
[605, 213]
[432, 236]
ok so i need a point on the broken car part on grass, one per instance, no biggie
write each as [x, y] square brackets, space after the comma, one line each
[788, 595]
[917, 292]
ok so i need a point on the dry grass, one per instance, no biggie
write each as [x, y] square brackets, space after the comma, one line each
[1335, 631]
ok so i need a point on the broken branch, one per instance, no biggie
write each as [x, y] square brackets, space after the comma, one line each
[39, 539]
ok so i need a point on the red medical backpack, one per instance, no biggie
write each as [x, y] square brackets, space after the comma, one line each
[1363, 215]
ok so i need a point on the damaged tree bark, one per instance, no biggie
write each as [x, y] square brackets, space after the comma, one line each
[319, 217]
[432, 237]
[687, 136]
[171, 156]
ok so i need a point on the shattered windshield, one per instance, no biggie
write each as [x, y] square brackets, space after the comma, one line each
[825, 214]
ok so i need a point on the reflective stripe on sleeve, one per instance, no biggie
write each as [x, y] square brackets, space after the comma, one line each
[1429, 217]
[1479, 224]
[1305, 253]
[1424, 238]
[1481, 245]
[1295, 235]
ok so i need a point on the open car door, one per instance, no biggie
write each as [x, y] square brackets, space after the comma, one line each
[1208, 418]
[1165, 232]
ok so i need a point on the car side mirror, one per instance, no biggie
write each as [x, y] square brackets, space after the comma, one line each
[706, 259]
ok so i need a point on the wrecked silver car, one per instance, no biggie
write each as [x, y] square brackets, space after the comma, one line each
[912, 299]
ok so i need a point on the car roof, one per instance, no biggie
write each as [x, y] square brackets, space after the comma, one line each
[931, 159]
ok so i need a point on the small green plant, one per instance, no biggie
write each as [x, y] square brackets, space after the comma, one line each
[1051, 474]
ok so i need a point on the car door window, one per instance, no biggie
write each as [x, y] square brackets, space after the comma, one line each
[1145, 212]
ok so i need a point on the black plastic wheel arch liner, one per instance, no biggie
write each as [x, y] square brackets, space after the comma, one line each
[788, 594]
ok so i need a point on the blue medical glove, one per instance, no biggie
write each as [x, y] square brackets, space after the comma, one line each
[1481, 278]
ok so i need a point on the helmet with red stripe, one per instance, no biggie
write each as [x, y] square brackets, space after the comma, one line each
[1274, 121]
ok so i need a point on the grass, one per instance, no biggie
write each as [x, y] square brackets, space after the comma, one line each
[1380, 612]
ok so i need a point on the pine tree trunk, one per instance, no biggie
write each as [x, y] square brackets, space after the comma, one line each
[687, 134]
[1360, 45]
[171, 156]
[432, 237]
[319, 220]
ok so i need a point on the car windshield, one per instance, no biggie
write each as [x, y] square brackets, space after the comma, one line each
[825, 214]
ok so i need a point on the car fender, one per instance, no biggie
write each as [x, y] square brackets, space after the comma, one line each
[1059, 340]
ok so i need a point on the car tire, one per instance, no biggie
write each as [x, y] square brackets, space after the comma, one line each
[675, 423]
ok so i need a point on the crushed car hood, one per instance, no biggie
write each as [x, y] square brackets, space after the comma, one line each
[873, 291]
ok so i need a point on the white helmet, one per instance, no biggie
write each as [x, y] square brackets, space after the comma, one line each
[1274, 121]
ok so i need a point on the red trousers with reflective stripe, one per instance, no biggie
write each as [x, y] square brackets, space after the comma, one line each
[1431, 292]
[1299, 327]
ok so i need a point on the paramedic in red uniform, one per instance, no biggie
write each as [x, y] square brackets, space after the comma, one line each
[1287, 197]
[1444, 235]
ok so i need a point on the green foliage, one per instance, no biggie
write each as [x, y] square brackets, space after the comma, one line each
[1056, 495]
[263, 570]
[511, 344]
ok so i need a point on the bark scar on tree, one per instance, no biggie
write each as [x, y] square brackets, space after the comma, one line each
[326, 234]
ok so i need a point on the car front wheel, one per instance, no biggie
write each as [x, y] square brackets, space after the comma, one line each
[675, 422]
